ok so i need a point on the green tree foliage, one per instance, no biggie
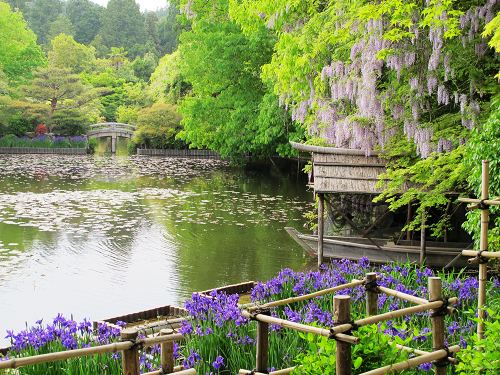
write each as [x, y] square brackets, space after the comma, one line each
[67, 53]
[167, 82]
[86, 19]
[61, 88]
[484, 144]
[62, 25]
[19, 6]
[123, 25]
[69, 122]
[152, 28]
[117, 57]
[170, 28]
[19, 54]
[101, 50]
[143, 68]
[230, 110]
[402, 76]
[42, 15]
[19, 117]
[158, 127]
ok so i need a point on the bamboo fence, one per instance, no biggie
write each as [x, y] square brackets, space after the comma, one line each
[438, 306]
[130, 341]
[483, 255]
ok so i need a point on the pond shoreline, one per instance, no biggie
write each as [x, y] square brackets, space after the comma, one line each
[45, 151]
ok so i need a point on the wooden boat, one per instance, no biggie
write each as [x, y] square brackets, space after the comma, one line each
[438, 254]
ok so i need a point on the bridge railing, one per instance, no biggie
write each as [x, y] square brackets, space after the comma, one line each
[113, 125]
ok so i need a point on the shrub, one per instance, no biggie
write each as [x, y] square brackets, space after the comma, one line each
[93, 143]
[131, 148]
[60, 142]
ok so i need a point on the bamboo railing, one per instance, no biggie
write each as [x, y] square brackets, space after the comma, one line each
[342, 314]
[130, 353]
[130, 341]
[483, 255]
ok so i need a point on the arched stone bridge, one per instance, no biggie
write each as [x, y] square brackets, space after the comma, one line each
[113, 130]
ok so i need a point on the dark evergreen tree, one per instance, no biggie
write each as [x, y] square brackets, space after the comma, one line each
[169, 29]
[86, 19]
[123, 25]
[41, 17]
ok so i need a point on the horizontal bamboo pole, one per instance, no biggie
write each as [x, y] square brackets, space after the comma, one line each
[309, 296]
[475, 206]
[392, 315]
[181, 371]
[489, 202]
[302, 327]
[277, 372]
[485, 254]
[59, 356]
[454, 361]
[158, 326]
[413, 362]
[410, 298]
[160, 339]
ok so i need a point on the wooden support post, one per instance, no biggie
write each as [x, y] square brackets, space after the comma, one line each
[262, 346]
[422, 241]
[342, 314]
[483, 271]
[321, 212]
[167, 353]
[130, 357]
[371, 294]
[435, 293]
[408, 219]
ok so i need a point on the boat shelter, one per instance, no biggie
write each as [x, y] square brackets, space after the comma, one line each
[340, 170]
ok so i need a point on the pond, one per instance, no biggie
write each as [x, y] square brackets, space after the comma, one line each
[96, 237]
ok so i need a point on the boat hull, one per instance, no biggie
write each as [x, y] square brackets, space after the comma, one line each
[438, 254]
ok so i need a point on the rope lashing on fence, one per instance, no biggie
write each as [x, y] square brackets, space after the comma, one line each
[371, 286]
[137, 343]
[262, 310]
[483, 206]
[442, 362]
[480, 258]
[333, 335]
[440, 311]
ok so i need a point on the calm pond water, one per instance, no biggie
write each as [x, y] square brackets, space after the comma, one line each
[98, 237]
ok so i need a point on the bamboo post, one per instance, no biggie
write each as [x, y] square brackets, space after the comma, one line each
[438, 343]
[371, 294]
[167, 353]
[483, 272]
[321, 212]
[262, 346]
[422, 240]
[342, 315]
[130, 357]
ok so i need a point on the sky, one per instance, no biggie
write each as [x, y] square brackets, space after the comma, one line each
[144, 4]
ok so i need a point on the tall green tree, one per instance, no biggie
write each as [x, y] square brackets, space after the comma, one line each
[123, 25]
[231, 109]
[86, 19]
[62, 25]
[61, 89]
[67, 53]
[42, 15]
[19, 53]
[170, 28]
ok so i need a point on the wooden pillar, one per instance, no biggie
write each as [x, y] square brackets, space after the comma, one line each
[422, 241]
[435, 293]
[483, 272]
[371, 295]
[167, 353]
[342, 313]
[321, 212]
[262, 346]
[130, 357]
[408, 219]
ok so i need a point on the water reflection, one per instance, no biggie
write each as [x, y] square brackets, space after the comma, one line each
[98, 237]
